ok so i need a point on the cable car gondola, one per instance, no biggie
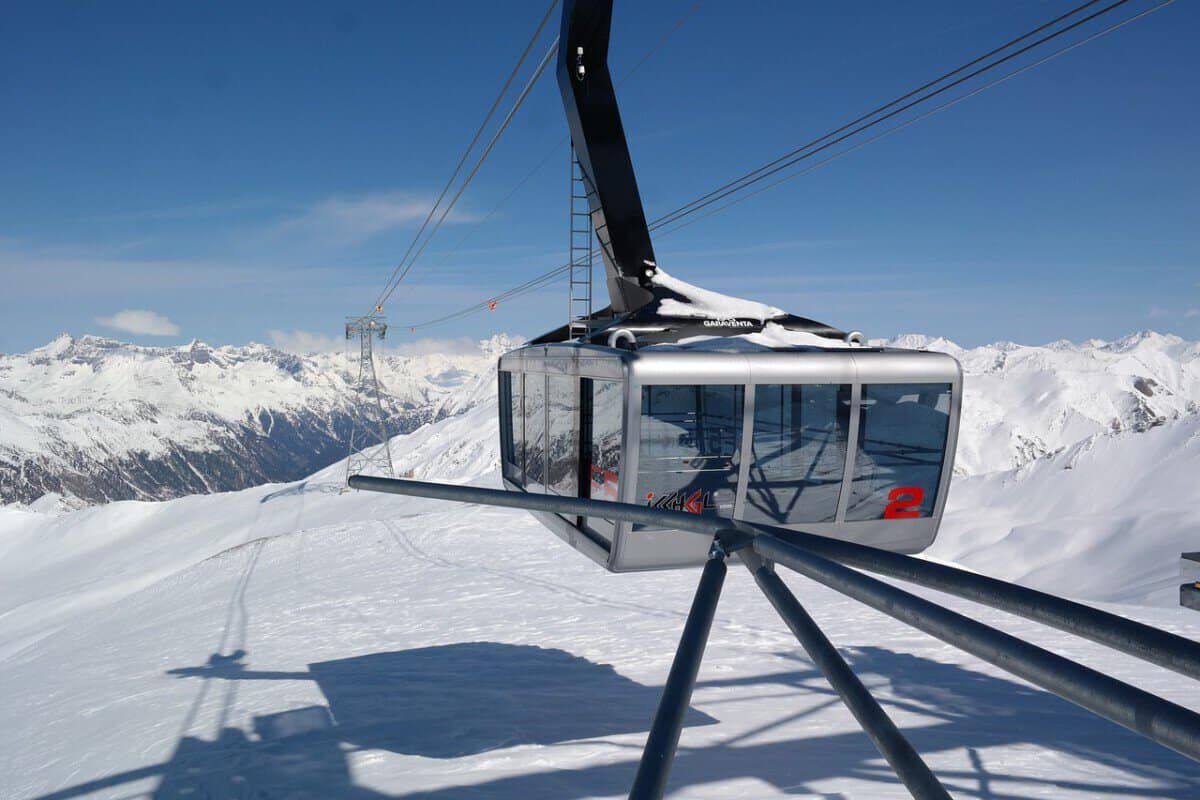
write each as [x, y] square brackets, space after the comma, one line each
[679, 398]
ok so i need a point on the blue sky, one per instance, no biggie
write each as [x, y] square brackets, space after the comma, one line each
[253, 171]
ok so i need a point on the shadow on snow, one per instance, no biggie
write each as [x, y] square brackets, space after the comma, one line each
[464, 699]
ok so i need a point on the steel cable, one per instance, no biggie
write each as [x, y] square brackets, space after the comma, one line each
[791, 159]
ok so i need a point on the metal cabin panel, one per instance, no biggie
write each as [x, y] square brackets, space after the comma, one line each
[905, 366]
[567, 532]
[669, 367]
[854, 367]
[805, 367]
[956, 398]
[902, 536]
[650, 550]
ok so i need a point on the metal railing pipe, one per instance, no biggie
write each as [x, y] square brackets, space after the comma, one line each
[1134, 638]
[555, 504]
[1142, 641]
[659, 753]
[910, 768]
[1160, 720]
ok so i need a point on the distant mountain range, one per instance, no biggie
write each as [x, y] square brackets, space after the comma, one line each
[1022, 403]
[91, 420]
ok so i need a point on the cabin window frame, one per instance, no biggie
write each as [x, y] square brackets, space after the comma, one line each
[605, 530]
[512, 426]
[929, 506]
[570, 385]
[637, 409]
[533, 380]
[843, 420]
[932, 506]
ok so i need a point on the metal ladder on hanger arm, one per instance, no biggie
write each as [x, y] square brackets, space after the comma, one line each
[579, 272]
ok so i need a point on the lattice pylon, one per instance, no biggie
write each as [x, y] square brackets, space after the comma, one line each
[370, 453]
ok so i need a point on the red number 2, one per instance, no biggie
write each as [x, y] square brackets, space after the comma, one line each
[905, 502]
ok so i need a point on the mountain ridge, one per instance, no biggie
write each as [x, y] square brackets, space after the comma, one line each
[90, 419]
[93, 419]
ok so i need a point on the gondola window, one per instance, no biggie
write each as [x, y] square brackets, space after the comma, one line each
[799, 452]
[689, 448]
[512, 425]
[535, 432]
[563, 439]
[901, 443]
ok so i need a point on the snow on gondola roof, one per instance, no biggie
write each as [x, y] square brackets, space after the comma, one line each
[689, 301]
[705, 303]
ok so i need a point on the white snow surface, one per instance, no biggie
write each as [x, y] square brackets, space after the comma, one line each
[707, 303]
[1024, 402]
[1105, 520]
[294, 641]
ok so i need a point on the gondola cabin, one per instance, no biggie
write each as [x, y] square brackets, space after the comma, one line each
[854, 443]
[677, 397]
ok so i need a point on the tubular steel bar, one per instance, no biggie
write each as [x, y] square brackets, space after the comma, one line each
[578, 506]
[1120, 633]
[1160, 720]
[1128, 636]
[910, 768]
[659, 753]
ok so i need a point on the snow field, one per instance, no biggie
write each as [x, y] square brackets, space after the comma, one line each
[292, 641]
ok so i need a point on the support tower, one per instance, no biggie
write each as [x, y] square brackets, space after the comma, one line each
[370, 453]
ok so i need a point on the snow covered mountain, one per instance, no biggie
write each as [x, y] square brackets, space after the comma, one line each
[1022, 402]
[95, 420]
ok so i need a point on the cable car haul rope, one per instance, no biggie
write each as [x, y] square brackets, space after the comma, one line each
[911, 100]
[677, 428]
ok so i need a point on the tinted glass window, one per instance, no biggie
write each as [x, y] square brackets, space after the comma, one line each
[601, 412]
[901, 444]
[689, 443]
[535, 432]
[799, 453]
[563, 439]
[510, 435]
[604, 438]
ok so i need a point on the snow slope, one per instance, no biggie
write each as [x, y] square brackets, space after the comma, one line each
[134, 544]
[1104, 520]
[293, 641]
